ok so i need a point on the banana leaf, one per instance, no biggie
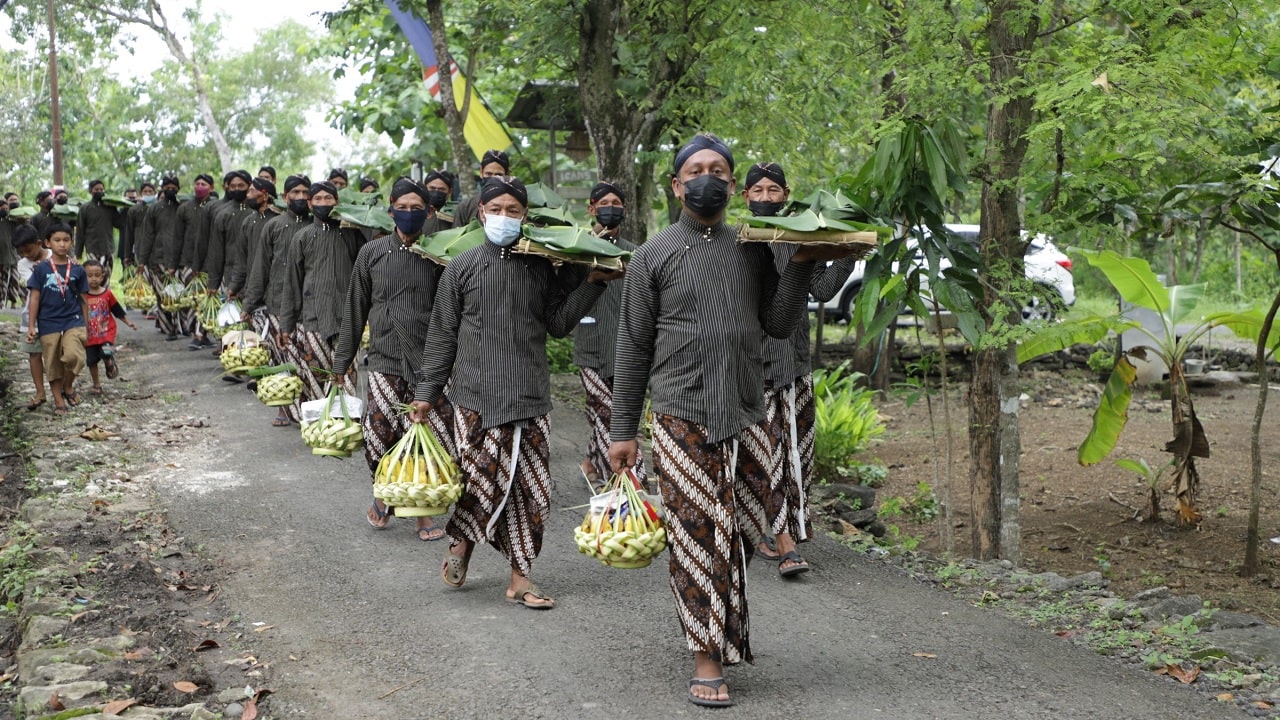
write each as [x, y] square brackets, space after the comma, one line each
[365, 216]
[23, 212]
[347, 196]
[1112, 414]
[117, 201]
[448, 212]
[552, 216]
[573, 241]
[444, 246]
[542, 196]
[66, 212]
[810, 222]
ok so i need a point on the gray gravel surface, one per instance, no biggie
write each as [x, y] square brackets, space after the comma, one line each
[363, 627]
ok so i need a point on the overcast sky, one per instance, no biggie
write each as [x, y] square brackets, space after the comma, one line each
[243, 21]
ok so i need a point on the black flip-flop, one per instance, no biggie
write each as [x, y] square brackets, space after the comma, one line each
[714, 684]
[73, 399]
[801, 565]
[381, 514]
[35, 404]
[772, 555]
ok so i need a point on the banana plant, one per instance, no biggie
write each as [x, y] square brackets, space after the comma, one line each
[1174, 306]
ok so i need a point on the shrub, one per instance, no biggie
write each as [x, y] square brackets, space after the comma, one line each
[560, 355]
[846, 421]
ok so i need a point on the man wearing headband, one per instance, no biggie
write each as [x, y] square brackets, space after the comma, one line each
[338, 178]
[96, 226]
[262, 208]
[264, 288]
[488, 342]
[160, 235]
[317, 270]
[393, 290]
[194, 223]
[133, 219]
[595, 338]
[226, 240]
[694, 305]
[494, 163]
[439, 185]
[787, 431]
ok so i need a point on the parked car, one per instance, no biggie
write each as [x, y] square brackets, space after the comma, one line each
[1045, 265]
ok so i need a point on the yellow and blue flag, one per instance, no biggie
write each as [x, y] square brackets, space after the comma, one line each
[482, 130]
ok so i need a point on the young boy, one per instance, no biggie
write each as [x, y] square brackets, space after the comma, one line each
[56, 313]
[101, 325]
[26, 242]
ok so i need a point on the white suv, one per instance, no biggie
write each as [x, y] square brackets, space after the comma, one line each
[1045, 265]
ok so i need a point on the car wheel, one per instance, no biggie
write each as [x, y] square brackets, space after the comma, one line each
[843, 311]
[1045, 305]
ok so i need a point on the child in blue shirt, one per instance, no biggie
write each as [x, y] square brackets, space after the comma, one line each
[56, 313]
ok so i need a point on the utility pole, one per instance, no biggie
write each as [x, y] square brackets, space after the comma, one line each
[54, 110]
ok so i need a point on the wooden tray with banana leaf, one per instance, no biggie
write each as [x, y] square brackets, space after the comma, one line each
[444, 246]
[571, 244]
[823, 218]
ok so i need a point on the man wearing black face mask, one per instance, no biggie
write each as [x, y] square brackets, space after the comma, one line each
[595, 337]
[317, 271]
[12, 289]
[225, 230]
[264, 288]
[159, 235]
[96, 228]
[43, 219]
[788, 428]
[694, 305]
[133, 219]
[439, 184]
[393, 289]
[261, 199]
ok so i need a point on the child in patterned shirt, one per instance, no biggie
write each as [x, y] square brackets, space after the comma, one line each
[103, 311]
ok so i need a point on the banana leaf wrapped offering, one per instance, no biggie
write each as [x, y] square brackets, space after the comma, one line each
[446, 245]
[135, 290]
[23, 212]
[365, 216]
[70, 211]
[823, 218]
[277, 385]
[337, 432]
[624, 527]
[571, 243]
[417, 477]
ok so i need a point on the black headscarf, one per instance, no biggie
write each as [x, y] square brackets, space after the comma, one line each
[242, 174]
[338, 173]
[95, 182]
[368, 182]
[496, 156]
[406, 186]
[324, 186]
[171, 180]
[207, 178]
[603, 188]
[770, 170]
[264, 185]
[703, 141]
[500, 185]
[294, 181]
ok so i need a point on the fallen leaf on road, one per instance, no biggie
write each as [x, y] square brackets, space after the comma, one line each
[1262, 704]
[924, 655]
[848, 529]
[250, 709]
[1186, 677]
[206, 644]
[96, 433]
[115, 707]
[141, 654]
[185, 686]
[264, 627]
[55, 703]
[1226, 697]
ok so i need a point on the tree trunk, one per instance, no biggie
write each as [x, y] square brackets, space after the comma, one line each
[453, 118]
[1251, 562]
[994, 443]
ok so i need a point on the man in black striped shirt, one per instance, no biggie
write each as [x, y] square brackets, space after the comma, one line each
[694, 306]
[392, 289]
[488, 342]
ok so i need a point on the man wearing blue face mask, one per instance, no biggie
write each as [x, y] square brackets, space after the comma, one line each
[488, 343]
[694, 307]
[393, 290]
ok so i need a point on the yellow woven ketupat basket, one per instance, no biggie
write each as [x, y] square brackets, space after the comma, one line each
[417, 477]
[624, 528]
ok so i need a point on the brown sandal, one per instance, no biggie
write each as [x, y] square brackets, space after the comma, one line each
[531, 597]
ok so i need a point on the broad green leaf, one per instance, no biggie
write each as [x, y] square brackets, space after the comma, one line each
[1112, 414]
[366, 216]
[446, 245]
[1138, 466]
[541, 196]
[1084, 330]
[573, 241]
[350, 196]
[1183, 300]
[552, 216]
[1132, 278]
[1248, 325]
